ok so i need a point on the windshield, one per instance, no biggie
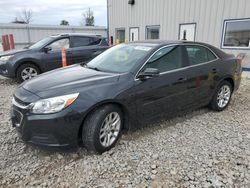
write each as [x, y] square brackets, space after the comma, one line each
[121, 58]
[41, 43]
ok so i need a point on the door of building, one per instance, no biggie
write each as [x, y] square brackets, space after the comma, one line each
[187, 32]
[134, 34]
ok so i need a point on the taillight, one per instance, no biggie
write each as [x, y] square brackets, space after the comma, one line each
[111, 40]
[239, 61]
[240, 58]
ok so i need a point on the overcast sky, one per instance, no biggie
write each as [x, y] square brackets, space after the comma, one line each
[53, 11]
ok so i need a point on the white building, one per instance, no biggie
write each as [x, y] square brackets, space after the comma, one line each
[222, 23]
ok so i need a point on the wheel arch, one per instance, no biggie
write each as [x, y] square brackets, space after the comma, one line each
[27, 62]
[228, 78]
[231, 81]
[103, 103]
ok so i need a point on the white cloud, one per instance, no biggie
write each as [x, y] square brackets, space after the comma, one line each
[52, 12]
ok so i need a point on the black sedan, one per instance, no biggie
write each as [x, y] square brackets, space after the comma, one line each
[125, 87]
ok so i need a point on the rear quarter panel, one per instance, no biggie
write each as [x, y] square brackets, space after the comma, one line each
[230, 68]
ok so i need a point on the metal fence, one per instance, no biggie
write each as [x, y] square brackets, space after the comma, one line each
[25, 34]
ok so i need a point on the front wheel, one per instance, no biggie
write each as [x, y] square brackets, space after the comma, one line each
[222, 96]
[102, 128]
[27, 71]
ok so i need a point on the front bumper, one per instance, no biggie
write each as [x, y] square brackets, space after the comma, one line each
[6, 71]
[52, 130]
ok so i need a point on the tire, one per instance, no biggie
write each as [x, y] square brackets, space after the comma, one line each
[216, 103]
[94, 132]
[29, 69]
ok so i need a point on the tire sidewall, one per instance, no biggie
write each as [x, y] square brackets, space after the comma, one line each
[102, 115]
[21, 68]
[214, 101]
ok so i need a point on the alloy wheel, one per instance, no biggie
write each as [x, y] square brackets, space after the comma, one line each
[110, 129]
[223, 96]
[28, 73]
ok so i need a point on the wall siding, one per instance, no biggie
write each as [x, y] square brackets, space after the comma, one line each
[25, 35]
[209, 16]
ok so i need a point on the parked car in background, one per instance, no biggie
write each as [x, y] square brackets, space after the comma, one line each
[125, 87]
[45, 55]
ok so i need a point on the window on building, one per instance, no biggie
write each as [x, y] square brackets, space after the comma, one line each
[236, 34]
[153, 32]
[120, 35]
[166, 59]
[199, 54]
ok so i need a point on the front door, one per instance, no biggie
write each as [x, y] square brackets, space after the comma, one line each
[52, 59]
[165, 94]
[134, 34]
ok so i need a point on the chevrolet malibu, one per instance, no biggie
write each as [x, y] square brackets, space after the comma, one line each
[124, 88]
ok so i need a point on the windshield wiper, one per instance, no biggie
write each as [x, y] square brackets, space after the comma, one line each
[93, 68]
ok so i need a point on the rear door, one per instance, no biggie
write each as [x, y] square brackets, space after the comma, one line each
[166, 94]
[85, 48]
[202, 73]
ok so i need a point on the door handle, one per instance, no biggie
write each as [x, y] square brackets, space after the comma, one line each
[97, 52]
[214, 70]
[180, 80]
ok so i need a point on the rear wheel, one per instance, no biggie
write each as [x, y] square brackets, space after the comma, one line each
[222, 96]
[102, 128]
[26, 72]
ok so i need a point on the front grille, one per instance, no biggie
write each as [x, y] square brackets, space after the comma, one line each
[17, 118]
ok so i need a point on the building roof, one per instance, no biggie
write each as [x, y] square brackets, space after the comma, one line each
[76, 34]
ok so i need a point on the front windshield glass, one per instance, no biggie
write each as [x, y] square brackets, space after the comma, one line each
[41, 43]
[121, 58]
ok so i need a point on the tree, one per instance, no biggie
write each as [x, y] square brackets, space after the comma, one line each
[26, 16]
[16, 21]
[89, 19]
[64, 22]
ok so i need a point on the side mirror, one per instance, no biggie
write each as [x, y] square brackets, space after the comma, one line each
[47, 49]
[148, 73]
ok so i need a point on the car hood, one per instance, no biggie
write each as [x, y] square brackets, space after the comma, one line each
[67, 80]
[13, 52]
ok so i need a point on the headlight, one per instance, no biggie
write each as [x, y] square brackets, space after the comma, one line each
[52, 105]
[5, 58]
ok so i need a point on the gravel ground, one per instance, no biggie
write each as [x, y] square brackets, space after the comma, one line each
[199, 149]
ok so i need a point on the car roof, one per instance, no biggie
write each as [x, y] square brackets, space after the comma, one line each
[161, 43]
[166, 42]
[76, 34]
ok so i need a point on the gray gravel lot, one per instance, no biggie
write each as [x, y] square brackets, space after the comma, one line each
[199, 149]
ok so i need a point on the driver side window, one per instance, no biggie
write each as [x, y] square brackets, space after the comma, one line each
[166, 59]
[59, 44]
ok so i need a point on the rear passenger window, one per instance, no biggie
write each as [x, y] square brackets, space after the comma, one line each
[199, 54]
[166, 59]
[85, 41]
[95, 41]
